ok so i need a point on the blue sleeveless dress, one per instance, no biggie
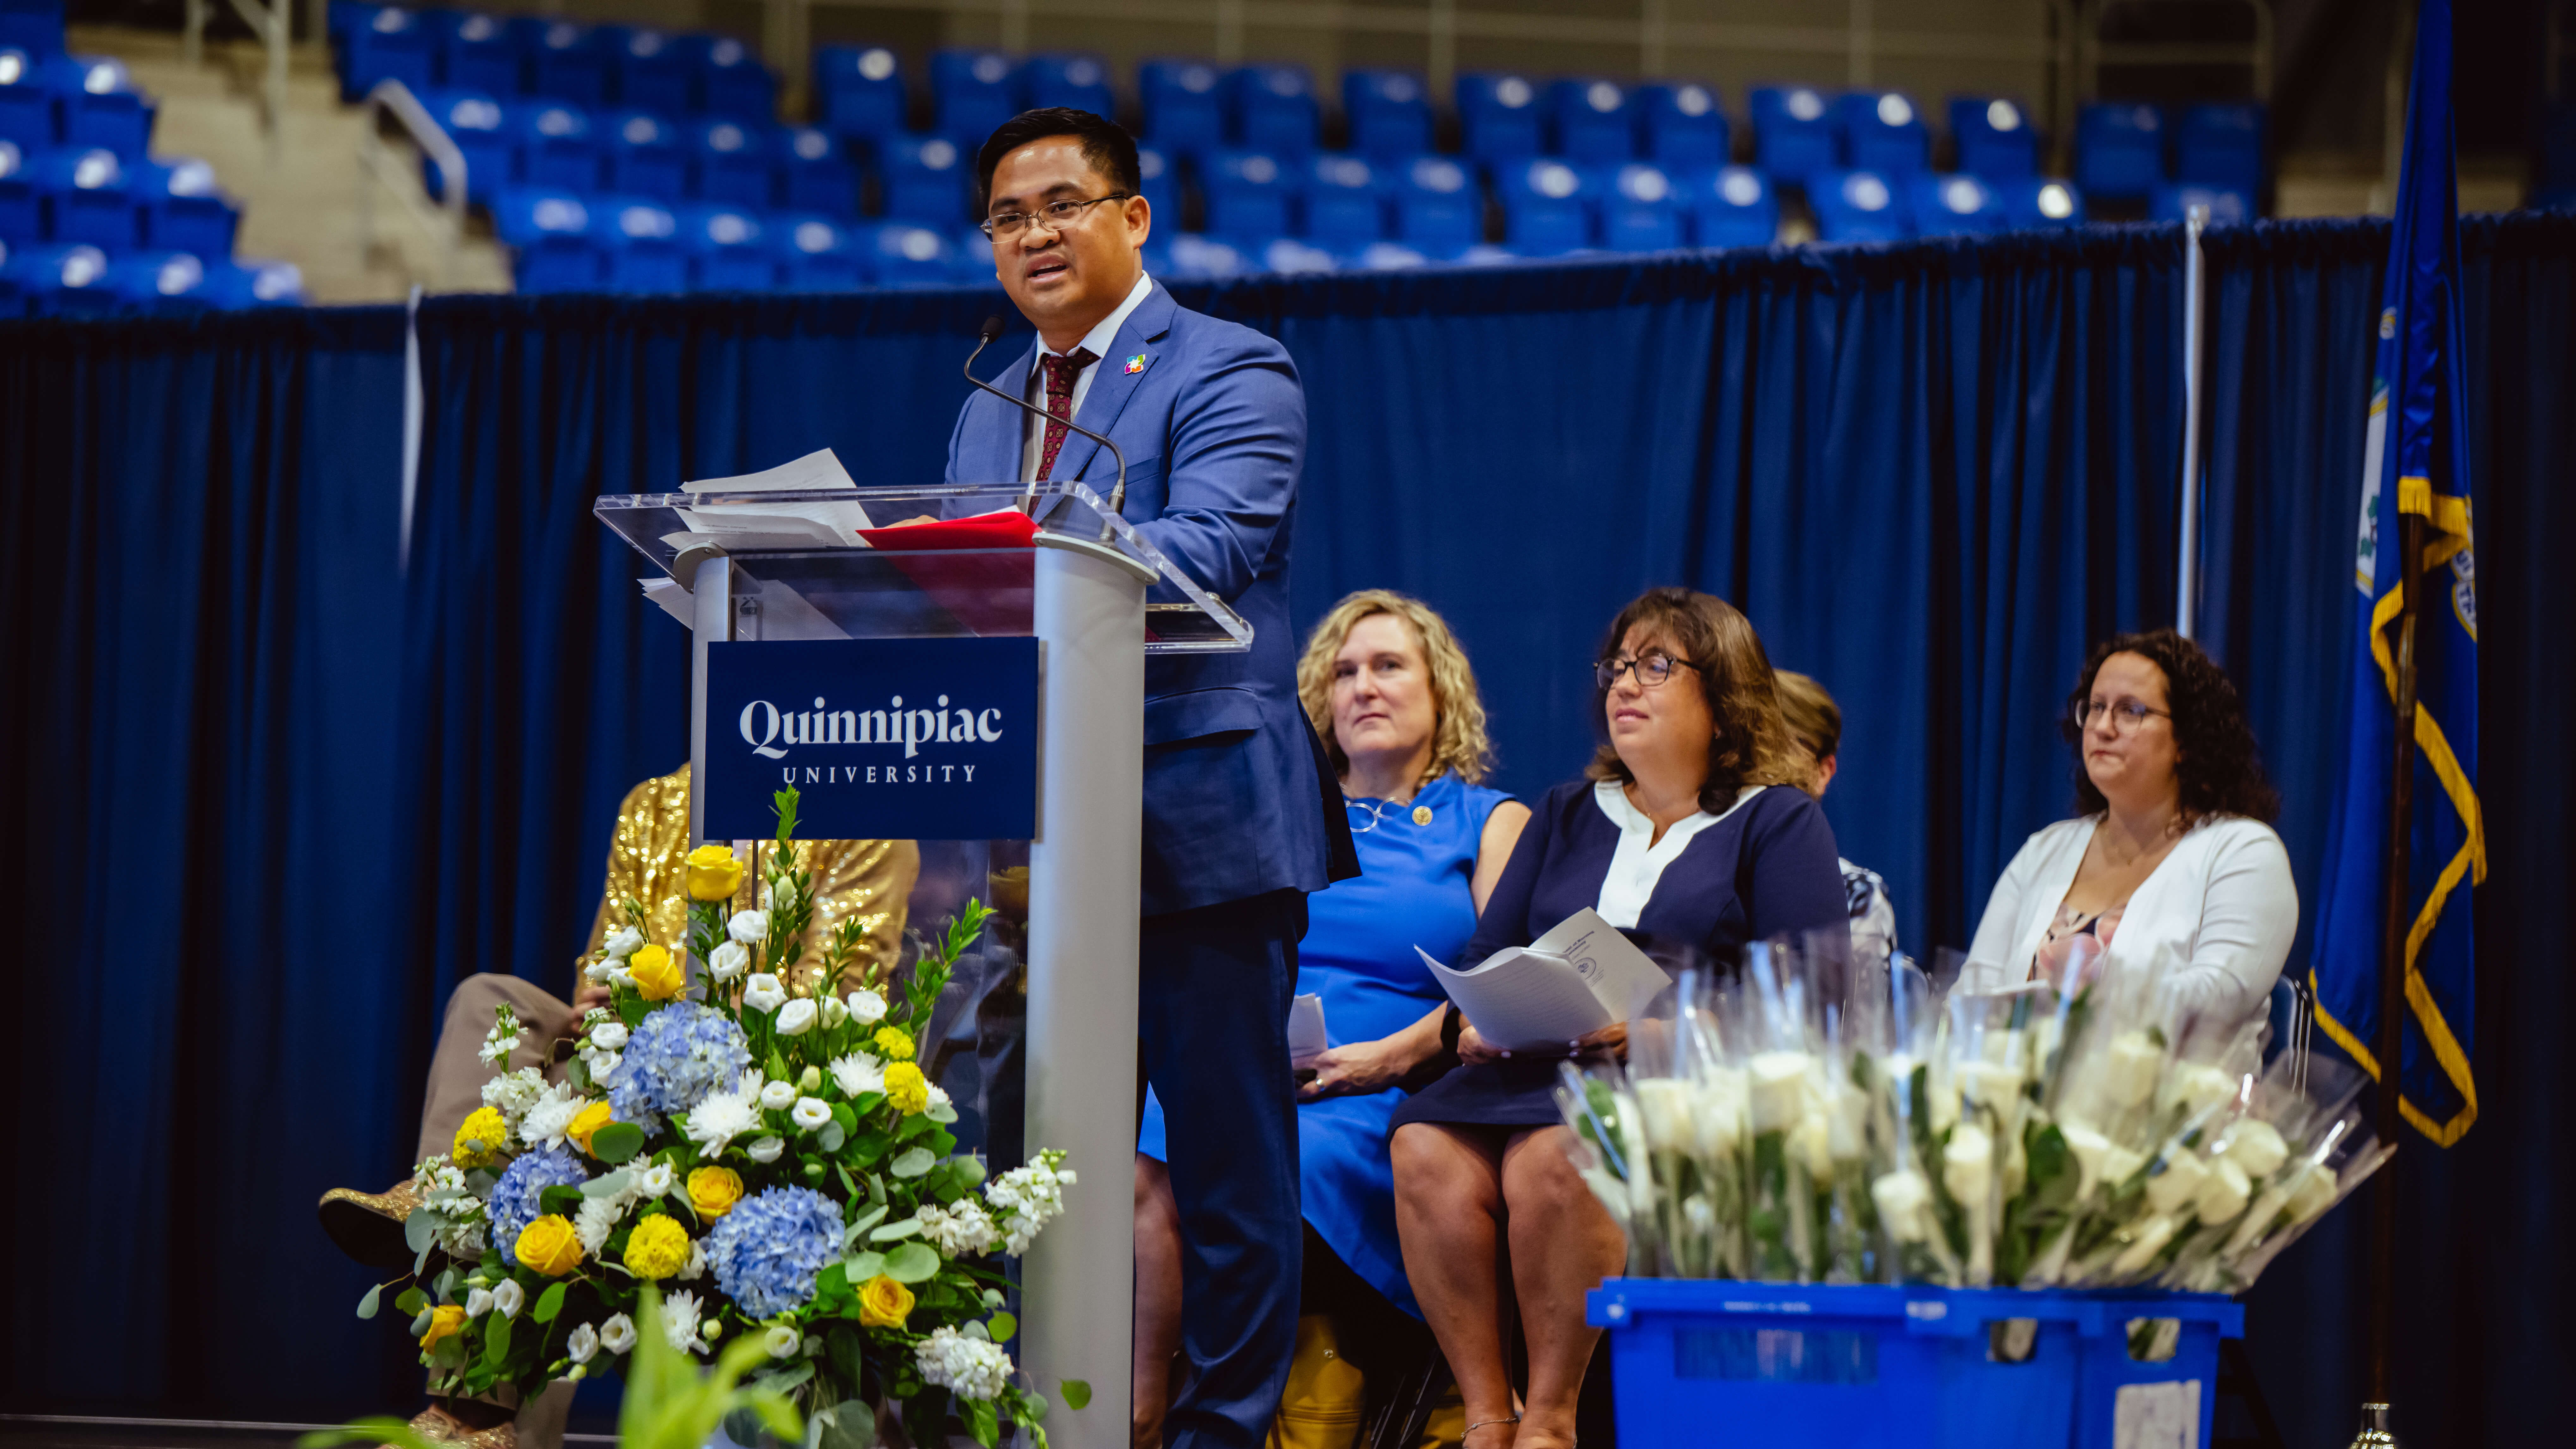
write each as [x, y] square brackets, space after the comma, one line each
[1413, 890]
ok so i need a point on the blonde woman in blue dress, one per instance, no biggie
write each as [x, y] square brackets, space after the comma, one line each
[1394, 699]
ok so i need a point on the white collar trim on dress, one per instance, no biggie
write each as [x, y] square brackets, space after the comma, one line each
[1638, 864]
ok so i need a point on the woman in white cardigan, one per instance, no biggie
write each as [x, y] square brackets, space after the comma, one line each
[2173, 858]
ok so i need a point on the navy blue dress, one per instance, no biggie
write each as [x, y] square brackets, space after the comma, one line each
[1764, 868]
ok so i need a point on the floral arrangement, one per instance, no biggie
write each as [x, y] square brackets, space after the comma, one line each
[764, 1153]
[1784, 1130]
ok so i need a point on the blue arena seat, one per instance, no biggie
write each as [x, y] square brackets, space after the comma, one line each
[1184, 117]
[728, 249]
[2173, 200]
[1389, 112]
[818, 253]
[1438, 208]
[2119, 150]
[1073, 79]
[814, 173]
[87, 196]
[161, 281]
[731, 81]
[246, 282]
[101, 107]
[1682, 125]
[1247, 196]
[30, 112]
[2220, 146]
[970, 262]
[904, 255]
[570, 64]
[550, 235]
[1994, 138]
[32, 26]
[57, 280]
[22, 217]
[477, 52]
[1857, 206]
[1641, 208]
[1498, 114]
[481, 128]
[1955, 205]
[859, 89]
[1206, 258]
[972, 92]
[643, 156]
[555, 146]
[2035, 201]
[1160, 185]
[1271, 109]
[926, 180]
[1385, 256]
[1546, 207]
[639, 241]
[1732, 206]
[647, 71]
[1290, 256]
[1345, 202]
[183, 210]
[388, 43]
[1883, 131]
[1793, 132]
[730, 163]
[1591, 123]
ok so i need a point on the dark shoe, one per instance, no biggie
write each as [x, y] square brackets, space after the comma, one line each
[368, 1226]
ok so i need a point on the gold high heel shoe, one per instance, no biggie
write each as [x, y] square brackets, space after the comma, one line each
[440, 1427]
[368, 1226]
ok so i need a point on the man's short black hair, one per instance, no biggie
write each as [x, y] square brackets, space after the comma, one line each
[1105, 144]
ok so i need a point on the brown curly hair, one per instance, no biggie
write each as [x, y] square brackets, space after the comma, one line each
[1751, 745]
[2215, 761]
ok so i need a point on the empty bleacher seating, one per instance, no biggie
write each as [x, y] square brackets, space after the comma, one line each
[925, 179]
[814, 174]
[2173, 201]
[1793, 131]
[1547, 208]
[2220, 146]
[731, 163]
[2119, 150]
[32, 27]
[1682, 125]
[1077, 81]
[1438, 209]
[1954, 205]
[1183, 115]
[1271, 109]
[1733, 206]
[2034, 202]
[1247, 196]
[859, 90]
[1857, 206]
[1498, 114]
[1993, 137]
[1591, 122]
[972, 92]
[648, 72]
[1641, 209]
[1389, 112]
[1883, 131]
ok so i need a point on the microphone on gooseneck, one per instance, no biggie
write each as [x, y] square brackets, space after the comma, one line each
[991, 330]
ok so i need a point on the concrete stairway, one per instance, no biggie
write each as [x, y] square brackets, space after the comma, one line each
[305, 207]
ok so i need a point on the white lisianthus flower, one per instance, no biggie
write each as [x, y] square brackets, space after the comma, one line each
[939, 1098]
[867, 1008]
[608, 1036]
[508, 1297]
[766, 1150]
[478, 1302]
[655, 1181]
[603, 1063]
[583, 1343]
[834, 1013]
[680, 1322]
[763, 993]
[810, 1113]
[617, 1335]
[728, 961]
[620, 976]
[778, 1096]
[625, 943]
[782, 1340]
[749, 927]
[858, 1074]
[596, 973]
[797, 1017]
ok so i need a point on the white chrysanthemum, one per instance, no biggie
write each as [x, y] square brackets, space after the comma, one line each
[939, 1098]
[763, 993]
[766, 1150]
[858, 1074]
[583, 1343]
[680, 1322]
[596, 1220]
[697, 1266]
[961, 1230]
[512, 1093]
[975, 1368]
[617, 1335]
[728, 961]
[549, 1115]
[867, 1008]
[749, 927]
[724, 1116]
[810, 1113]
[778, 1096]
[508, 1297]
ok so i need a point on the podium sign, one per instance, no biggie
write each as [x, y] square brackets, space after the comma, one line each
[885, 739]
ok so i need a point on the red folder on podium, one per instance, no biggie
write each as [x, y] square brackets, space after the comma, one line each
[988, 592]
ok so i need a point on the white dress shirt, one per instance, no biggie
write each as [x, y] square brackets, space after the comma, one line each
[1097, 342]
[1638, 864]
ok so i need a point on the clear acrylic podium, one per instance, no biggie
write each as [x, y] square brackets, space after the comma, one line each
[1082, 592]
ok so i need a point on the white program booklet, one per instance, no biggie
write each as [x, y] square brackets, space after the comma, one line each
[777, 525]
[1306, 1040]
[1579, 977]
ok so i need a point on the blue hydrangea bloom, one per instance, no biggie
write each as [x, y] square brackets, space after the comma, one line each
[673, 1059]
[514, 1198]
[768, 1250]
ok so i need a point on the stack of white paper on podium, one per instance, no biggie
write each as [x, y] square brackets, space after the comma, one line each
[1578, 978]
[746, 527]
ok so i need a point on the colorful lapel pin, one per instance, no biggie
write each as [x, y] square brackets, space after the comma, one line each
[1136, 364]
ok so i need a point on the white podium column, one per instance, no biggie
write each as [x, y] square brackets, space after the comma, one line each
[1079, 1278]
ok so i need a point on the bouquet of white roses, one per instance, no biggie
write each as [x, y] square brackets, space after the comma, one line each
[763, 1149]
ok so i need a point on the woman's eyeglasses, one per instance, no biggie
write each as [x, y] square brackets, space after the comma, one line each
[1652, 670]
[2126, 716]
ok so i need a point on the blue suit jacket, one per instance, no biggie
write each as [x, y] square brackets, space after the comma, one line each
[1214, 428]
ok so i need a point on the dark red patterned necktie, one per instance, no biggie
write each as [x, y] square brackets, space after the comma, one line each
[1060, 374]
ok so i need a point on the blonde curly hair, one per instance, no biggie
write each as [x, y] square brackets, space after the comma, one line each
[1458, 743]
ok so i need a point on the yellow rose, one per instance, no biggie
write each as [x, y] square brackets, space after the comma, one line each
[883, 1303]
[585, 1122]
[906, 1088]
[714, 875]
[481, 1139]
[713, 1191]
[894, 1044]
[658, 1248]
[549, 1245]
[448, 1320]
[656, 974]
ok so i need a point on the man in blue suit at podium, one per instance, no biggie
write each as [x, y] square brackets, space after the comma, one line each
[1213, 422]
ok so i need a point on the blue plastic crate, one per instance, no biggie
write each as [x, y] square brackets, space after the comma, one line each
[1876, 1367]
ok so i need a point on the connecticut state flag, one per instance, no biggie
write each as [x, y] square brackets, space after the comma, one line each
[2417, 462]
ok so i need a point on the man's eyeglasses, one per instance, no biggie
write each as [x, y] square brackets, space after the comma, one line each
[1054, 216]
[1651, 670]
[2126, 716]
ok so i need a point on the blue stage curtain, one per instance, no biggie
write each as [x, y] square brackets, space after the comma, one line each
[198, 628]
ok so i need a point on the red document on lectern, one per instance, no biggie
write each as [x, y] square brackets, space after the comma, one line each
[988, 594]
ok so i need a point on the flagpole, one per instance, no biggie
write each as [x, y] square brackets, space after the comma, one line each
[2392, 993]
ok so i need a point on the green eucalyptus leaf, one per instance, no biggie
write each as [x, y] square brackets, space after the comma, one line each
[412, 1300]
[849, 1424]
[785, 1379]
[901, 1229]
[742, 1426]
[831, 1137]
[609, 1183]
[496, 1339]
[842, 1114]
[420, 1323]
[914, 1162]
[367, 1305]
[862, 1266]
[549, 1303]
[617, 1142]
[421, 1229]
[1076, 1393]
[1002, 1326]
[940, 1112]
[913, 1262]
[863, 1222]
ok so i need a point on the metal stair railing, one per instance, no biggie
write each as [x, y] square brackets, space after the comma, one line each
[382, 165]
